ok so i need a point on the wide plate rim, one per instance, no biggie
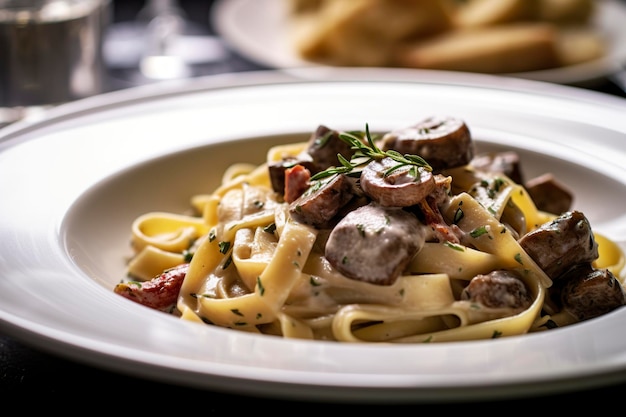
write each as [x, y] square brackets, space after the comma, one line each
[302, 383]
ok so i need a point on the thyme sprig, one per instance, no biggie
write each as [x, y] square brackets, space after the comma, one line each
[365, 152]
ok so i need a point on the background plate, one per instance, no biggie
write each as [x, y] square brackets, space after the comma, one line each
[72, 183]
[257, 29]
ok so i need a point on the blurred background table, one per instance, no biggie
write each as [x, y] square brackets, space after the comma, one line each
[30, 373]
[206, 53]
[198, 13]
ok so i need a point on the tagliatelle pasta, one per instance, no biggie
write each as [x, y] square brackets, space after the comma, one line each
[254, 266]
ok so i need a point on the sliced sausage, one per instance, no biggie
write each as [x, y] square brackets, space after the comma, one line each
[323, 147]
[444, 142]
[549, 194]
[277, 170]
[507, 163]
[590, 292]
[498, 289]
[401, 187]
[320, 153]
[322, 200]
[374, 243]
[562, 243]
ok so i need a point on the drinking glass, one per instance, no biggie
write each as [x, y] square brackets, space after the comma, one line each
[50, 53]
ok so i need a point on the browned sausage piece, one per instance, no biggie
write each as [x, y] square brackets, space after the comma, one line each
[506, 163]
[402, 187]
[444, 142]
[322, 200]
[590, 292]
[562, 243]
[277, 170]
[375, 243]
[323, 147]
[549, 194]
[498, 289]
[320, 153]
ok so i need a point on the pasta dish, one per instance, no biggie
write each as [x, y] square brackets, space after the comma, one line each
[405, 236]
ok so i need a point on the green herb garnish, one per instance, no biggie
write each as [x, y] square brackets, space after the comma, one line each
[365, 152]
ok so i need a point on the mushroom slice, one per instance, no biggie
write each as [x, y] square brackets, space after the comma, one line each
[394, 185]
[445, 142]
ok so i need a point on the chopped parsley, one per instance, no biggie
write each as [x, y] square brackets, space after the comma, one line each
[479, 231]
[260, 286]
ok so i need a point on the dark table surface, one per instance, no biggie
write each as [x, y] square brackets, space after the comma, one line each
[33, 378]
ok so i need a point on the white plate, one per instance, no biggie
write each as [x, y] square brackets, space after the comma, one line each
[257, 29]
[72, 183]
